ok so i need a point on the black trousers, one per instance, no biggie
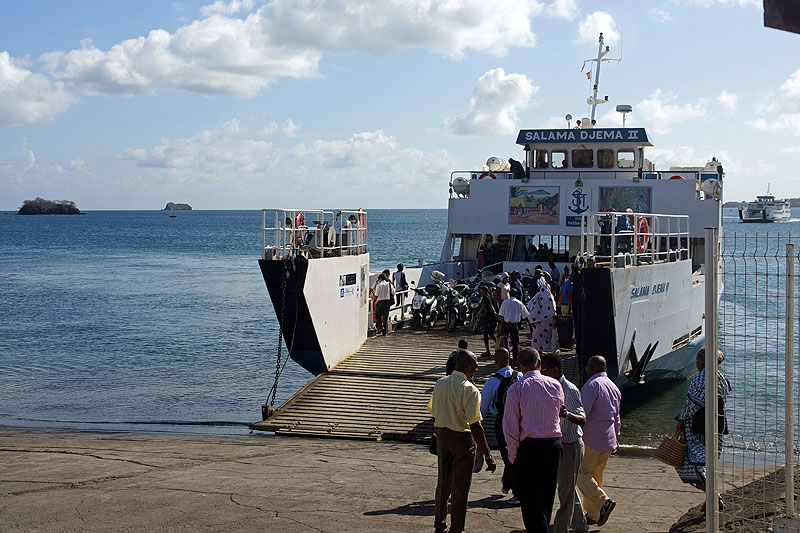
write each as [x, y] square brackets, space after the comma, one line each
[508, 480]
[488, 331]
[382, 315]
[536, 472]
[512, 330]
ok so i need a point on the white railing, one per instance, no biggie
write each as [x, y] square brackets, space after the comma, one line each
[313, 233]
[642, 238]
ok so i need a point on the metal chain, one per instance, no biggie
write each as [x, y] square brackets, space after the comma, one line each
[269, 405]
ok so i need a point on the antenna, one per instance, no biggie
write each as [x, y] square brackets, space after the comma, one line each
[601, 52]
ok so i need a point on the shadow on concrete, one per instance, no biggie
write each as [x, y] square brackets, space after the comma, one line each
[427, 507]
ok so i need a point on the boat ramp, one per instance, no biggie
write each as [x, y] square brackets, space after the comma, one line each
[381, 392]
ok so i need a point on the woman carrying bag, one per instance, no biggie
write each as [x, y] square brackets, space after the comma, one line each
[691, 423]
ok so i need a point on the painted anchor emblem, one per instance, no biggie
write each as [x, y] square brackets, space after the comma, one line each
[578, 202]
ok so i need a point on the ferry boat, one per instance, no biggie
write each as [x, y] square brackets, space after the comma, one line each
[635, 233]
[765, 209]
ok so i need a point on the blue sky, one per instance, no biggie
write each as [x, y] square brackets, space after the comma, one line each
[246, 104]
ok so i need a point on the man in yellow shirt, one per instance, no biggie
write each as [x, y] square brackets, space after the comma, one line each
[456, 408]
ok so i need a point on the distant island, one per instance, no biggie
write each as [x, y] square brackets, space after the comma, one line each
[793, 202]
[40, 206]
[177, 207]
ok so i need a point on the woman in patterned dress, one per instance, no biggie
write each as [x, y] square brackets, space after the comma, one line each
[542, 308]
[693, 470]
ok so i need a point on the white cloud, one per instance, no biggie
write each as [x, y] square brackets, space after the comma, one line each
[324, 171]
[210, 56]
[600, 21]
[222, 153]
[565, 9]
[740, 3]
[788, 100]
[393, 26]
[496, 100]
[788, 123]
[28, 98]
[659, 15]
[76, 164]
[729, 101]
[287, 38]
[791, 88]
[227, 8]
[290, 128]
[659, 112]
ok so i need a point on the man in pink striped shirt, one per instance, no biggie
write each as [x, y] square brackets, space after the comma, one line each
[532, 428]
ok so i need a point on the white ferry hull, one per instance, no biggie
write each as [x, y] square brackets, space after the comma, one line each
[324, 309]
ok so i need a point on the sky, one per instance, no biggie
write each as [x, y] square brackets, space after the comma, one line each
[251, 104]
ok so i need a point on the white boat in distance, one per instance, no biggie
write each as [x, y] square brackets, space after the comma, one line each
[765, 209]
[634, 234]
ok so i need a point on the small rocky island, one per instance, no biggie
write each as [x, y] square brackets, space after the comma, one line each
[177, 207]
[40, 206]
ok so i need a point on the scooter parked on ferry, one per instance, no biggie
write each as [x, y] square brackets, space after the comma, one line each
[427, 305]
[456, 305]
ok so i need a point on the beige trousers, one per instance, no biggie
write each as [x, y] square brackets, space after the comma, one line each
[590, 481]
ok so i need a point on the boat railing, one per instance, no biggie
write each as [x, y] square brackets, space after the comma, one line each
[644, 238]
[572, 174]
[312, 233]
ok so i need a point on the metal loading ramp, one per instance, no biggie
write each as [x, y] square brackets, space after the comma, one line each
[381, 392]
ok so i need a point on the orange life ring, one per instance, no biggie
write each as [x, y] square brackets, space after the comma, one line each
[362, 218]
[677, 177]
[486, 175]
[643, 239]
[300, 220]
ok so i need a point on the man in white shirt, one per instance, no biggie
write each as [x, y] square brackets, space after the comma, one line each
[512, 311]
[570, 515]
[384, 294]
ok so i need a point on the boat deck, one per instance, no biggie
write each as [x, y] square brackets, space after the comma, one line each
[381, 392]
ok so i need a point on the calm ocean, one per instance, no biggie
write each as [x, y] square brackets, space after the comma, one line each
[132, 320]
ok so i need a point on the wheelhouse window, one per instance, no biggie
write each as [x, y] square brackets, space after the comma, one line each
[605, 158]
[583, 158]
[540, 159]
[625, 158]
[559, 158]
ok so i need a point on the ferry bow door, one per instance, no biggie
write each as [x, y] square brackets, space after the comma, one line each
[595, 329]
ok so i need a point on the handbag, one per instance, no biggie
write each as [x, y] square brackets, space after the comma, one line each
[432, 445]
[671, 451]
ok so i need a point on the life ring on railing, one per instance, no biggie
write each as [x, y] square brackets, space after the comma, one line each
[362, 218]
[643, 239]
[300, 220]
[676, 177]
[487, 175]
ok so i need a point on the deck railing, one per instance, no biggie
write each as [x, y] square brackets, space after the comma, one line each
[645, 238]
[313, 233]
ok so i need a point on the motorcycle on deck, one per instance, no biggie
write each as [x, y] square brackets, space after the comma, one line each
[456, 306]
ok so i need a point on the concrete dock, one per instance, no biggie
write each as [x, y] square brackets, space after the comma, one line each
[69, 481]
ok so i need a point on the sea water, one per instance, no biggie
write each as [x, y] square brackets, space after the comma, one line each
[134, 320]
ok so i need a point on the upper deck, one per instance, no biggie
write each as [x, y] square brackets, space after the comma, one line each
[568, 172]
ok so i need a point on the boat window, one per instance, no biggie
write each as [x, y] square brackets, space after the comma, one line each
[540, 158]
[582, 158]
[625, 158]
[605, 158]
[456, 243]
[559, 158]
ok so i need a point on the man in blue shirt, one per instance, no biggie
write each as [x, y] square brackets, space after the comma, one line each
[491, 402]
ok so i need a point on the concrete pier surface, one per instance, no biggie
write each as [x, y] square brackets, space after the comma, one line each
[53, 480]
